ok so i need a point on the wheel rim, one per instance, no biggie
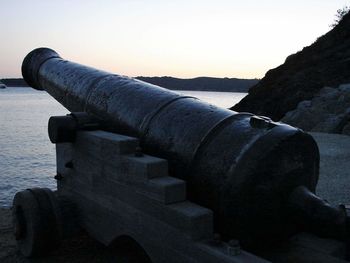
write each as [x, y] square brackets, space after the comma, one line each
[20, 226]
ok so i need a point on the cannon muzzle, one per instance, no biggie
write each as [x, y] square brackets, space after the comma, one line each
[243, 167]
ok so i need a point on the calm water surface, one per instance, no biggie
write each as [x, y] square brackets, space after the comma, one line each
[27, 157]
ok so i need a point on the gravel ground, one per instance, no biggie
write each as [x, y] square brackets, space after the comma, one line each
[334, 178]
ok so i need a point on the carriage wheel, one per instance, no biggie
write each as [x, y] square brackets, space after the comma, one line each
[36, 221]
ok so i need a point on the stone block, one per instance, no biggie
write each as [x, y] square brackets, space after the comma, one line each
[105, 144]
[197, 221]
[168, 189]
[147, 166]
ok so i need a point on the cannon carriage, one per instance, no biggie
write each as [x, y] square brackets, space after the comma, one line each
[168, 171]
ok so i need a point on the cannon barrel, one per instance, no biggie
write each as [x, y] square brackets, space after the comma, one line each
[243, 167]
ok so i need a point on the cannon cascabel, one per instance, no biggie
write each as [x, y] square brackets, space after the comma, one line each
[241, 166]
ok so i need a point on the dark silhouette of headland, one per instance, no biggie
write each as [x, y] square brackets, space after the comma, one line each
[14, 82]
[196, 84]
[325, 63]
[202, 83]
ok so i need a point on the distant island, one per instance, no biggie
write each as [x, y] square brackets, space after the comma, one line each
[11, 82]
[197, 84]
[202, 83]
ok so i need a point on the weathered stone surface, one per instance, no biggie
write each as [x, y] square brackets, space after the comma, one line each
[324, 63]
[328, 111]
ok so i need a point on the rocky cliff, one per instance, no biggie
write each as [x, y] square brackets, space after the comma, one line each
[325, 63]
[328, 111]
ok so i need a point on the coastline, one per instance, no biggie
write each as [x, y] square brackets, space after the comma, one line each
[207, 84]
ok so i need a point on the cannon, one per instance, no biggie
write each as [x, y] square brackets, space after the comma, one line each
[256, 176]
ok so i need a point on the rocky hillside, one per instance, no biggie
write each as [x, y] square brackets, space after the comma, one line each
[325, 63]
[202, 83]
[328, 111]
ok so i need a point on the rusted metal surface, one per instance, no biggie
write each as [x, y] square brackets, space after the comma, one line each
[241, 166]
[64, 128]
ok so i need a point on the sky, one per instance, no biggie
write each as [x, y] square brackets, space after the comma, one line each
[217, 38]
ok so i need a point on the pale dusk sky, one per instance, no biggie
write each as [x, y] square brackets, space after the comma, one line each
[183, 39]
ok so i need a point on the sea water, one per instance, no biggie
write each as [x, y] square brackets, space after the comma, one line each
[27, 157]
